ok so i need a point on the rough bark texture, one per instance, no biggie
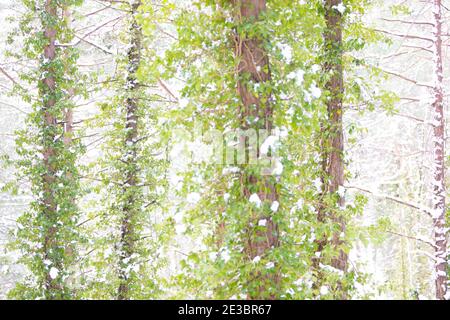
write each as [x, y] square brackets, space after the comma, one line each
[51, 286]
[335, 166]
[333, 139]
[254, 67]
[438, 184]
[131, 174]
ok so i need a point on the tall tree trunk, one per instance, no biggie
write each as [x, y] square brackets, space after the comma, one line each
[130, 209]
[438, 184]
[254, 67]
[333, 139]
[335, 166]
[52, 285]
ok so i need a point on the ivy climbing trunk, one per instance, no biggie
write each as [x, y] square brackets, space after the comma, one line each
[438, 183]
[47, 158]
[256, 113]
[333, 140]
[48, 88]
[130, 198]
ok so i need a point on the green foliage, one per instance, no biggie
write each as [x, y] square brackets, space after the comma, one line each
[47, 238]
[292, 35]
[137, 202]
[399, 9]
[131, 181]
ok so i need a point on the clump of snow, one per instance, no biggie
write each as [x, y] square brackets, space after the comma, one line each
[290, 291]
[286, 51]
[230, 170]
[213, 255]
[180, 228]
[447, 295]
[278, 169]
[331, 269]
[316, 68]
[193, 197]
[108, 252]
[315, 91]
[269, 144]
[256, 259]
[275, 205]
[225, 254]
[318, 184]
[298, 76]
[54, 272]
[324, 290]
[183, 102]
[341, 191]
[340, 7]
[254, 198]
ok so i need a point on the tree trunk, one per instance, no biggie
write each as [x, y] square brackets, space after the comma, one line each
[254, 66]
[52, 285]
[130, 209]
[333, 138]
[335, 168]
[438, 184]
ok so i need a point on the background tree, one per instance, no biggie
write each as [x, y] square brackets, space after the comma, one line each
[129, 176]
[438, 184]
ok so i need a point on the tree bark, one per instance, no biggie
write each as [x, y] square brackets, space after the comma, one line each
[254, 67]
[52, 286]
[131, 173]
[438, 183]
[335, 167]
[333, 137]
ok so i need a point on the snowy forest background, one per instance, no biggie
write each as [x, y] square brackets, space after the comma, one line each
[389, 145]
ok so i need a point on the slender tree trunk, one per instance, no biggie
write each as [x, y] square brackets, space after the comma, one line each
[335, 166]
[130, 209]
[254, 67]
[438, 184]
[52, 286]
[333, 138]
